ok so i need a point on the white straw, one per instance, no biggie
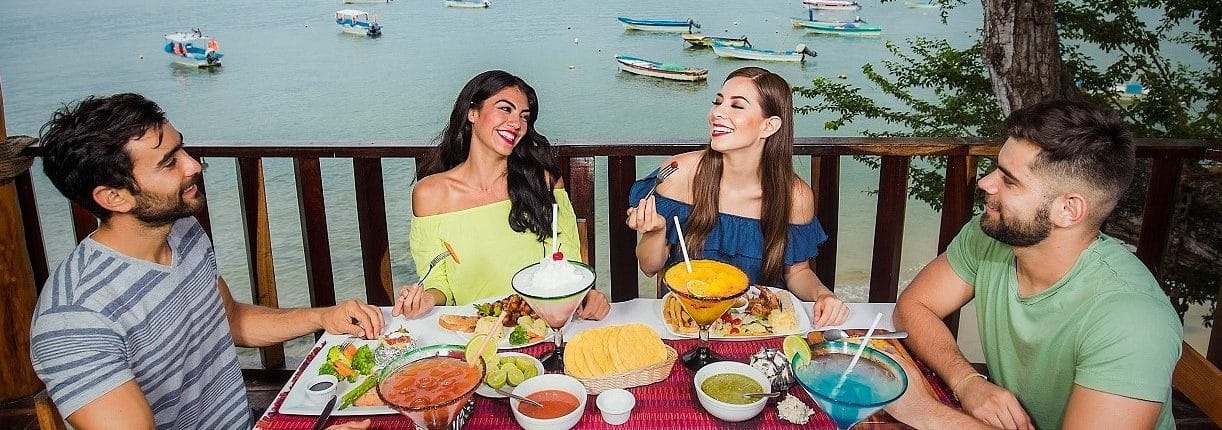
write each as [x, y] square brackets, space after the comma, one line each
[555, 228]
[864, 342]
[683, 245]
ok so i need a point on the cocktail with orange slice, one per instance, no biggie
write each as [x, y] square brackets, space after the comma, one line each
[430, 385]
[706, 291]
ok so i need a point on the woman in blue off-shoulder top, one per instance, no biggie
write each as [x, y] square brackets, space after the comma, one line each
[739, 199]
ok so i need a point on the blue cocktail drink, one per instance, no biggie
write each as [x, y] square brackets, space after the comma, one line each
[875, 382]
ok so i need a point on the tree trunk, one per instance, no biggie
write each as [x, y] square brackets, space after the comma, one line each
[1022, 53]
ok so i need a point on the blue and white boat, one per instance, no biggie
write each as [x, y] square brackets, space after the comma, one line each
[193, 49]
[660, 70]
[798, 54]
[358, 22]
[470, 4]
[667, 25]
[701, 41]
[855, 28]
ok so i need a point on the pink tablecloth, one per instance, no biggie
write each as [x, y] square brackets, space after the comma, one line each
[671, 403]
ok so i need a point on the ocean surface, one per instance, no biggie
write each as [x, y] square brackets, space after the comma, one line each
[291, 77]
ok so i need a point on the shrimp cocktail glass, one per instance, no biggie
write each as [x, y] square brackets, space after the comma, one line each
[554, 288]
[430, 385]
[706, 292]
[876, 381]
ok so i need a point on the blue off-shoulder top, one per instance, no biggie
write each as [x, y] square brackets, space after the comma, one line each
[734, 239]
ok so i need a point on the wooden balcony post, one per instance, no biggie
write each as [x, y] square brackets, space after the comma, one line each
[17, 282]
[255, 223]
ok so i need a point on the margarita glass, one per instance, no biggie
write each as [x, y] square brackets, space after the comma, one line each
[430, 385]
[875, 382]
[706, 292]
[554, 303]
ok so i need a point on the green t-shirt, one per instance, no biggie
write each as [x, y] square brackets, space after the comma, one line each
[1106, 326]
[489, 251]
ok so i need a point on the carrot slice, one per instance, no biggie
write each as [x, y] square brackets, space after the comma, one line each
[343, 369]
[349, 351]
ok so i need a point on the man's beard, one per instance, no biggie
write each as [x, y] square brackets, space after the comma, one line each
[158, 210]
[1018, 233]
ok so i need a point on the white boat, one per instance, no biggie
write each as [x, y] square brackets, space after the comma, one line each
[831, 4]
[799, 53]
[701, 41]
[359, 22]
[193, 49]
[656, 69]
[923, 4]
[364, 1]
[472, 4]
[1130, 92]
[664, 25]
[841, 28]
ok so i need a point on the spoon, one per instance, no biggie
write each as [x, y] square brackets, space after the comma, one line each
[836, 334]
[520, 398]
[768, 395]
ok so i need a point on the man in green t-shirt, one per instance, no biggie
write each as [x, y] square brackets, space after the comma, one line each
[1076, 331]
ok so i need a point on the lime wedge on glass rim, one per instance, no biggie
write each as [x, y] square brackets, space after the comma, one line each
[698, 288]
[796, 345]
[488, 354]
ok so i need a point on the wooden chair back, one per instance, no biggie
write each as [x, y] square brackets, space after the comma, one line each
[1199, 381]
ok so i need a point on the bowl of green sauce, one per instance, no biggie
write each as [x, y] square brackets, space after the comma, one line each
[721, 387]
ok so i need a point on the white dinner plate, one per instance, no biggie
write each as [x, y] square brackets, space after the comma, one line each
[469, 310]
[297, 403]
[803, 325]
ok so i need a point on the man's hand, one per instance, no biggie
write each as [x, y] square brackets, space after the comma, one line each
[353, 317]
[830, 310]
[994, 405]
[413, 301]
[595, 306]
[918, 408]
[351, 425]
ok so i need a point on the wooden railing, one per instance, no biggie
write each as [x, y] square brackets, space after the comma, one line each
[578, 165]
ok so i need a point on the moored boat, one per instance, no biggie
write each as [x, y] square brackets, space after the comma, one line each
[470, 4]
[857, 28]
[660, 70]
[364, 1]
[923, 4]
[702, 41]
[193, 49]
[668, 25]
[798, 54]
[831, 4]
[359, 22]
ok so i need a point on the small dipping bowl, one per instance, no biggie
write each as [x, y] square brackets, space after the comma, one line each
[616, 405]
[320, 388]
[551, 381]
[727, 411]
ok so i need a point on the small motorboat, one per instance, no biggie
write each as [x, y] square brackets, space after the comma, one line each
[470, 4]
[660, 70]
[799, 53]
[1130, 92]
[193, 49]
[364, 1]
[358, 22]
[701, 41]
[923, 4]
[831, 4]
[668, 25]
[854, 28]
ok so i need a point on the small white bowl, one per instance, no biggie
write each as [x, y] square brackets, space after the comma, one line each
[616, 405]
[727, 411]
[551, 381]
[321, 395]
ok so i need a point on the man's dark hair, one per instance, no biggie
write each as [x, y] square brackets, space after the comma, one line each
[85, 145]
[1080, 142]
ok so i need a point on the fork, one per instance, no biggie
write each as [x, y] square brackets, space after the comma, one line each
[432, 264]
[662, 175]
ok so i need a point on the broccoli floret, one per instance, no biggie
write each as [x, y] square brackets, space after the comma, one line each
[519, 336]
[363, 361]
[329, 369]
[335, 354]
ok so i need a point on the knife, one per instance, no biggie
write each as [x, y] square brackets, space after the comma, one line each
[326, 413]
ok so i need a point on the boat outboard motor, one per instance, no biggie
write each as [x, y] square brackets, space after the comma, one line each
[210, 57]
[375, 30]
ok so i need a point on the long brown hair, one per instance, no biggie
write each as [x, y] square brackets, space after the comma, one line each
[776, 177]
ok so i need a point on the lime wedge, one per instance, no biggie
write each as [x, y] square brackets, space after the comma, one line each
[796, 345]
[489, 352]
[496, 379]
[698, 288]
[514, 376]
[528, 367]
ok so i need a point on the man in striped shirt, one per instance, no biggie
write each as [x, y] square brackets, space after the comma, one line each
[136, 329]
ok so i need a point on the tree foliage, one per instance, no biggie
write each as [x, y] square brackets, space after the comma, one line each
[935, 89]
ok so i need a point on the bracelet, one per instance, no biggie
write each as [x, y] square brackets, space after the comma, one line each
[954, 389]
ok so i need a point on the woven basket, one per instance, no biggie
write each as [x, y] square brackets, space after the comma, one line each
[635, 378]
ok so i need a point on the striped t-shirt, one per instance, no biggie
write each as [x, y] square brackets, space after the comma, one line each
[105, 318]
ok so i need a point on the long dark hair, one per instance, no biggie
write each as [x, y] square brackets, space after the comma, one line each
[532, 175]
[776, 177]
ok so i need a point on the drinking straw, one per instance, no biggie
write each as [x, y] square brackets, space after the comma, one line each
[555, 228]
[862, 347]
[683, 246]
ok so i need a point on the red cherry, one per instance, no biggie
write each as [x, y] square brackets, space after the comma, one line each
[557, 256]
[674, 164]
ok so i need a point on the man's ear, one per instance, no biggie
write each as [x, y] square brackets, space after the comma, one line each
[1069, 209]
[771, 126]
[116, 200]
